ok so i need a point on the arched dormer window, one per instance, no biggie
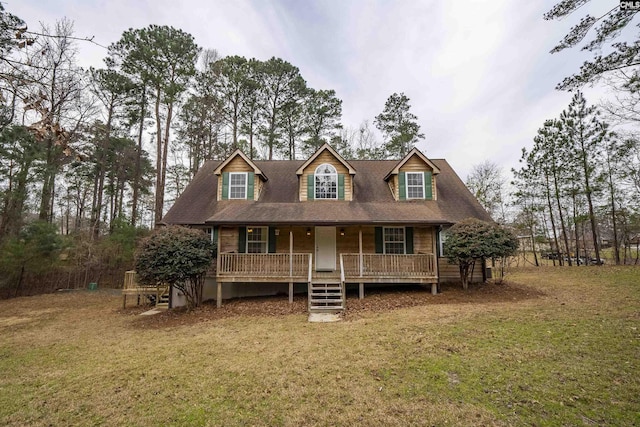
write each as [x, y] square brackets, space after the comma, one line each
[326, 182]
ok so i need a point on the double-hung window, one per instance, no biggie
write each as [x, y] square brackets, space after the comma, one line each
[326, 182]
[257, 239]
[394, 241]
[238, 185]
[415, 185]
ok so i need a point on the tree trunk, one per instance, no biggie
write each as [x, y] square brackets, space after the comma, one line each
[137, 172]
[465, 268]
[251, 141]
[575, 230]
[165, 151]
[533, 247]
[616, 244]
[553, 223]
[235, 127]
[19, 280]
[159, 199]
[47, 183]
[12, 217]
[99, 199]
[562, 222]
[101, 170]
[592, 216]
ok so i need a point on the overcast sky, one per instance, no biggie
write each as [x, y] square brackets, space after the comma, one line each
[478, 73]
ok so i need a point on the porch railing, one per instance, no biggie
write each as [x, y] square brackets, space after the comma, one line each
[264, 265]
[396, 265]
[352, 266]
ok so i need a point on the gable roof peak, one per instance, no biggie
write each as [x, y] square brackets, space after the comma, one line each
[238, 152]
[414, 152]
[326, 147]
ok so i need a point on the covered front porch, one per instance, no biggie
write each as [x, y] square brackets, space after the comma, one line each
[326, 258]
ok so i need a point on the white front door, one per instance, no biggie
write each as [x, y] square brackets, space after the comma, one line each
[325, 248]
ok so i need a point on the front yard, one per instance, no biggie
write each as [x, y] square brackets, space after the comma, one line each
[554, 346]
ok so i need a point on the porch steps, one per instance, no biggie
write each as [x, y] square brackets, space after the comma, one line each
[326, 296]
[163, 299]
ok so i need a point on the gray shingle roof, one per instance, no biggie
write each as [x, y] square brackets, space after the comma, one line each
[278, 203]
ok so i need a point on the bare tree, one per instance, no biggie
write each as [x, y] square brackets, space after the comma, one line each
[363, 142]
[55, 99]
[487, 182]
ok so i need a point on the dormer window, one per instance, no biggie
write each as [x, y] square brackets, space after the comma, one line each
[237, 185]
[239, 178]
[332, 180]
[326, 182]
[413, 177]
[415, 185]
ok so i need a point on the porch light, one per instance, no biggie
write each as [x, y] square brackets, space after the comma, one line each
[249, 230]
[342, 231]
[308, 232]
[277, 232]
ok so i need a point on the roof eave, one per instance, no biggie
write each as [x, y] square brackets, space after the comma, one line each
[331, 222]
[325, 146]
[401, 162]
[238, 152]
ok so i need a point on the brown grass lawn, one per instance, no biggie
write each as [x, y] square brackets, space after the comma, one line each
[552, 346]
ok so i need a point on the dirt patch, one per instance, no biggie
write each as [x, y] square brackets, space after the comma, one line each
[376, 300]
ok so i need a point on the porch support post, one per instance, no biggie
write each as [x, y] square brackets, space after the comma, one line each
[360, 249]
[218, 260]
[290, 252]
[218, 265]
[360, 261]
[290, 265]
[434, 289]
[436, 245]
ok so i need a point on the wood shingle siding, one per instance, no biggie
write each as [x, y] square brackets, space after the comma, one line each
[325, 157]
[228, 239]
[423, 241]
[414, 164]
[239, 165]
[451, 272]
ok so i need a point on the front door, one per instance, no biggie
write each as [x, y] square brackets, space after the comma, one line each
[325, 248]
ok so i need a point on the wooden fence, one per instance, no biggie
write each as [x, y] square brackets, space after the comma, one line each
[55, 279]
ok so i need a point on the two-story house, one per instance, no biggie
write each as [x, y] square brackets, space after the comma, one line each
[321, 224]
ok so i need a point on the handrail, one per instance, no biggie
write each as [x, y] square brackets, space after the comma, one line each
[309, 279]
[343, 289]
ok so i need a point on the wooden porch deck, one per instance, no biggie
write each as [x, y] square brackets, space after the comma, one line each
[353, 268]
[357, 268]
